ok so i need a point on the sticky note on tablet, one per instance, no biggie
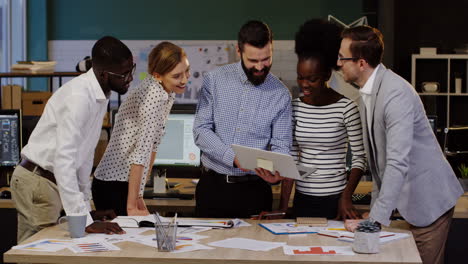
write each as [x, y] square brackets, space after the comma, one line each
[265, 164]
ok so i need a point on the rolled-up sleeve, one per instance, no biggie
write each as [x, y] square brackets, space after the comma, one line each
[70, 123]
[204, 129]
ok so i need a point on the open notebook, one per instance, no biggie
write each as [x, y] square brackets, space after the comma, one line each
[136, 221]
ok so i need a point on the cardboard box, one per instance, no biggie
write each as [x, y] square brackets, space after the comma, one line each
[6, 97]
[34, 102]
[11, 97]
[16, 96]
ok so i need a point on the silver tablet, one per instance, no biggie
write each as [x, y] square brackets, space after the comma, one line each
[252, 158]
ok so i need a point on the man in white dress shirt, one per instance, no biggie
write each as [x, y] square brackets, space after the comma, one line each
[56, 163]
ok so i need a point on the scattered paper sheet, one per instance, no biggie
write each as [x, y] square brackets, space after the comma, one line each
[245, 243]
[289, 228]
[130, 233]
[45, 245]
[93, 247]
[317, 250]
[183, 246]
[191, 230]
[385, 238]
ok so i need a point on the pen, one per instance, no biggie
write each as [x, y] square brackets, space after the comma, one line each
[270, 214]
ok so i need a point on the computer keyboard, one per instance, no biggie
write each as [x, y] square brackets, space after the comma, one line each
[173, 194]
[361, 198]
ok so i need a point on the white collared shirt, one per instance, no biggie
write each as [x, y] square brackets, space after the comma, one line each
[138, 130]
[366, 94]
[66, 136]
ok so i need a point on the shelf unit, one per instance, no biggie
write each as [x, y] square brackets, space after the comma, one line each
[441, 68]
[50, 75]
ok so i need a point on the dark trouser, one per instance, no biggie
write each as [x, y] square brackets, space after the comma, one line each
[315, 206]
[110, 195]
[215, 198]
[431, 239]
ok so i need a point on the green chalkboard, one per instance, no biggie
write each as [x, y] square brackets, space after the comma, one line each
[186, 19]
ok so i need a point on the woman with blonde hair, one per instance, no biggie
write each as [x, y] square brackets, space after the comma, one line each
[120, 177]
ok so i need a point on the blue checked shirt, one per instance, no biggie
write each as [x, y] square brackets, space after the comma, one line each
[231, 110]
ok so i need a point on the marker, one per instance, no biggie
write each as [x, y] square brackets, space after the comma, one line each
[269, 214]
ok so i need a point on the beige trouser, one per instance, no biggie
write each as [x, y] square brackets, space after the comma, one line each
[37, 202]
[431, 239]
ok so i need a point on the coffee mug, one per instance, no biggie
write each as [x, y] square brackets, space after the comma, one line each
[76, 224]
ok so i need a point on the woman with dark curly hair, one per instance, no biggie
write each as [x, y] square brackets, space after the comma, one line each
[325, 123]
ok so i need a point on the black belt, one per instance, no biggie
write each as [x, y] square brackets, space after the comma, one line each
[36, 169]
[233, 178]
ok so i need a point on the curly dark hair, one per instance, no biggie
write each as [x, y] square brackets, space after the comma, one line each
[320, 39]
[109, 51]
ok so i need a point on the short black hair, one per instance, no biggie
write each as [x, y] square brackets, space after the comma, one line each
[255, 33]
[320, 39]
[109, 51]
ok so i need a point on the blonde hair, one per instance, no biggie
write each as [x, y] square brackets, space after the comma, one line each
[164, 58]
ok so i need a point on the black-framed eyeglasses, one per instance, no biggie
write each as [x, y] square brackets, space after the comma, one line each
[126, 77]
[347, 58]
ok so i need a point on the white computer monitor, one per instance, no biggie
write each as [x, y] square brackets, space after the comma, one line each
[177, 147]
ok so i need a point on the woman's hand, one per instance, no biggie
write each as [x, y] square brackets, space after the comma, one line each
[351, 225]
[137, 207]
[346, 209]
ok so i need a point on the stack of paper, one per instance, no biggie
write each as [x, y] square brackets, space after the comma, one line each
[246, 243]
[34, 67]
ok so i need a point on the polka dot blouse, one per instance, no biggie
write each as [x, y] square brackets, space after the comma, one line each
[139, 127]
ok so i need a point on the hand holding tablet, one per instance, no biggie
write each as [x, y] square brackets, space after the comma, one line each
[252, 158]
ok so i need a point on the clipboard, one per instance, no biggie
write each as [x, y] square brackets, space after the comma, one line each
[252, 158]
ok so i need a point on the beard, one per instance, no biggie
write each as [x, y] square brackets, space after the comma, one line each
[121, 89]
[255, 79]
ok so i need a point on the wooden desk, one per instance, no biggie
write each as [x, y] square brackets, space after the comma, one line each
[401, 251]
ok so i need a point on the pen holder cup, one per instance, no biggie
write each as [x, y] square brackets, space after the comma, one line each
[367, 243]
[166, 236]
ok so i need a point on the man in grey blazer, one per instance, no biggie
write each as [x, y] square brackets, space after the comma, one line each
[408, 168]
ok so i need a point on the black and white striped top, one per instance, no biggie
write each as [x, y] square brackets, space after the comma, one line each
[320, 138]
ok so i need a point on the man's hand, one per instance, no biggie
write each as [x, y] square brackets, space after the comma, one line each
[237, 165]
[103, 215]
[104, 227]
[346, 209]
[267, 176]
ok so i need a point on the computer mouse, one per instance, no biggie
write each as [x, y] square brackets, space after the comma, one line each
[145, 223]
[5, 195]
